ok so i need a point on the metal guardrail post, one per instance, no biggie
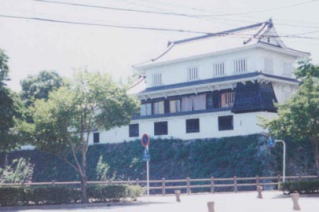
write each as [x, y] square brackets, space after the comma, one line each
[235, 184]
[212, 185]
[163, 186]
[257, 181]
[188, 183]
[278, 183]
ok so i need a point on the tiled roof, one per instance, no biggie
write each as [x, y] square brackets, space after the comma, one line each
[217, 42]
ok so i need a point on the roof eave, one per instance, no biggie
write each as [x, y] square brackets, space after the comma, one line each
[288, 51]
[259, 76]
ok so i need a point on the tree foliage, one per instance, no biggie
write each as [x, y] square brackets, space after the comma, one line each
[39, 86]
[10, 109]
[4, 68]
[19, 171]
[63, 123]
[299, 117]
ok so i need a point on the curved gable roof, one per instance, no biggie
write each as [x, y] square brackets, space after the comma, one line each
[250, 35]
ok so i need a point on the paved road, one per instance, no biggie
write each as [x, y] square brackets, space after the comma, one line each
[273, 201]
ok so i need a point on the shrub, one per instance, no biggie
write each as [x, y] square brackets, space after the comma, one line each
[113, 192]
[19, 171]
[55, 194]
[304, 186]
[10, 196]
[58, 194]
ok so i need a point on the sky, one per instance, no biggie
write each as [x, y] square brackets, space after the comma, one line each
[39, 45]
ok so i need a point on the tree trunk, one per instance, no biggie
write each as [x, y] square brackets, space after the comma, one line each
[84, 196]
[84, 176]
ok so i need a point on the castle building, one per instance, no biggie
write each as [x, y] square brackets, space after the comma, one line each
[212, 86]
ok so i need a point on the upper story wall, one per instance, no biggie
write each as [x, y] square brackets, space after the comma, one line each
[249, 60]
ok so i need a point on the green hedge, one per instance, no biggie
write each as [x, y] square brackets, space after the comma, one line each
[242, 156]
[57, 194]
[304, 186]
[113, 192]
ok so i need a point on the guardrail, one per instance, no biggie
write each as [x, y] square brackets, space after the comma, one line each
[212, 184]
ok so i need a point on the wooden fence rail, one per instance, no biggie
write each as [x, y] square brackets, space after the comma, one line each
[164, 186]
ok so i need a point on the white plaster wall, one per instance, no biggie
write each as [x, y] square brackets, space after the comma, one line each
[284, 91]
[244, 124]
[177, 72]
[278, 61]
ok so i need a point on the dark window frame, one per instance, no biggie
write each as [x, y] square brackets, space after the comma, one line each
[223, 123]
[192, 125]
[161, 128]
[96, 137]
[134, 130]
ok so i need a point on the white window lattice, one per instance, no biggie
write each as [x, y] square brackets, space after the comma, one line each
[158, 107]
[240, 66]
[146, 109]
[192, 73]
[156, 79]
[218, 69]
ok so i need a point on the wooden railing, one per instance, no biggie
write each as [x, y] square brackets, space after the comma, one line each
[188, 185]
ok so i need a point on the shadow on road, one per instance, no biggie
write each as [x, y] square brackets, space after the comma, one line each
[71, 207]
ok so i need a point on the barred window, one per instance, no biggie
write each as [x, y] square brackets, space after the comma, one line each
[133, 130]
[227, 98]
[192, 73]
[240, 66]
[156, 79]
[96, 137]
[225, 123]
[192, 125]
[218, 69]
[160, 128]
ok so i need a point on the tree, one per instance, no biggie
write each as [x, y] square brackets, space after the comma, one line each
[4, 68]
[299, 117]
[9, 109]
[39, 86]
[63, 123]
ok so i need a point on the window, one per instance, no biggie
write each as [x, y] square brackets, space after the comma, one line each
[156, 79]
[269, 65]
[227, 98]
[175, 106]
[209, 100]
[225, 123]
[192, 73]
[133, 130]
[218, 69]
[287, 69]
[192, 125]
[158, 107]
[96, 137]
[240, 66]
[160, 128]
[146, 109]
[199, 102]
[194, 102]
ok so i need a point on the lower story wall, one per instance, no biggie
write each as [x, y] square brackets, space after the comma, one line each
[243, 124]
